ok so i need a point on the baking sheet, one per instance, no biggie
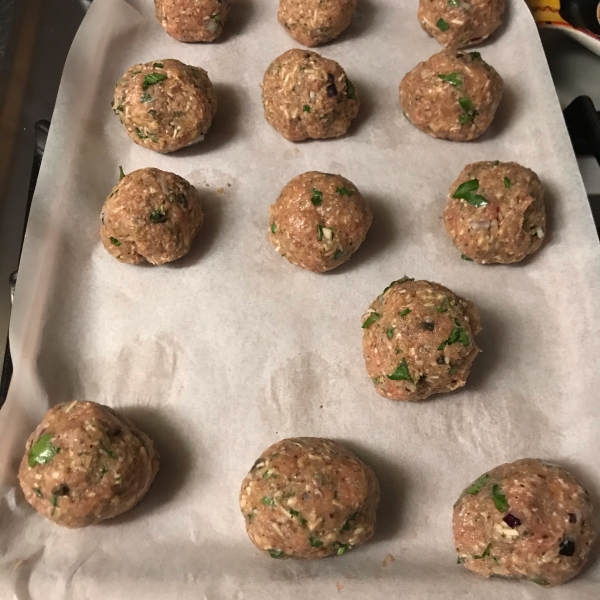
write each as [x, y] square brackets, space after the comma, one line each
[231, 348]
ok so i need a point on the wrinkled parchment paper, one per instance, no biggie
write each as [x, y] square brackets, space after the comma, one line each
[231, 348]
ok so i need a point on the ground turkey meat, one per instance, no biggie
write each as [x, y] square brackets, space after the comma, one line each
[309, 498]
[495, 212]
[460, 23]
[418, 340]
[85, 463]
[150, 215]
[319, 221]
[453, 96]
[314, 22]
[165, 105]
[193, 20]
[526, 519]
[308, 96]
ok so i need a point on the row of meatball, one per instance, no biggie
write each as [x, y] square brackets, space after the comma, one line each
[166, 105]
[312, 497]
[454, 23]
[494, 214]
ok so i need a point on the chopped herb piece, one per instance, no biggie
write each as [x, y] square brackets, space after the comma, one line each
[135, 72]
[540, 581]
[442, 25]
[54, 500]
[372, 318]
[140, 134]
[320, 233]
[485, 552]
[469, 110]
[350, 91]
[443, 307]
[567, 547]
[43, 451]
[458, 334]
[500, 501]
[343, 191]
[151, 79]
[216, 17]
[476, 486]
[496, 163]
[145, 97]
[348, 524]
[317, 197]
[157, 65]
[121, 173]
[460, 560]
[390, 332]
[507, 182]
[465, 257]
[107, 451]
[273, 228]
[275, 553]
[342, 549]
[158, 216]
[265, 474]
[338, 254]
[454, 3]
[454, 79]
[306, 108]
[38, 492]
[453, 369]
[114, 241]
[315, 542]
[268, 501]
[397, 282]
[476, 55]
[296, 514]
[465, 191]
[401, 373]
[511, 520]
[120, 108]
[404, 312]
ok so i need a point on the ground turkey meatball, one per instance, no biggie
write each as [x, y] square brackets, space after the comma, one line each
[460, 23]
[418, 340]
[319, 221]
[308, 96]
[495, 212]
[526, 519]
[85, 463]
[453, 96]
[309, 498]
[165, 105]
[193, 20]
[314, 22]
[150, 215]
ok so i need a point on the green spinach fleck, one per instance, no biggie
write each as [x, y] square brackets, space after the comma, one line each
[540, 581]
[152, 79]
[273, 228]
[145, 97]
[344, 191]
[401, 373]
[338, 254]
[469, 110]
[342, 549]
[442, 25]
[317, 197]
[454, 79]
[444, 306]
[397, 282]
[298, 516]
[275, 553]
[157, 65]
[158, 216]
[372, 318]
[404, 312]
[390, 332]
[315, 542]
[43, 451]
[121, 173]
[458, 334]
[350, 522]
[350, 91]
[465, 257]
[454, 3]
[486, 552]
[507, 182]
[114, 241]
[268, 501]
[466, 191]
[500, 501]
[477, 485]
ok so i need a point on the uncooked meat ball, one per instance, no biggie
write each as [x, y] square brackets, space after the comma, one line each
[150, 215]
[193, 20]
[418, 340]
[528, 520]
[461, 23]
[165, 105]
[319, 221]
[314, 22]
[308, 96]
[452, 95]
[495, 212]
[309, 498]
[85, 463]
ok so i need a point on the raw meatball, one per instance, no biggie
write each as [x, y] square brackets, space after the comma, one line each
[309, 498]
[495, 212]
[165, 105]
[319, 221]
[308, 96]
[85, 463]
[418, 340]
[150, 215]
[193, 20]
[453, 96]
[314, 22]
[526, 519]
[460, 23]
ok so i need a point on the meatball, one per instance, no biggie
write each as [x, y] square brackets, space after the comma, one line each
[85, 463]
[319, 221]
[193, 20]
[418, 340]
[461, 23]
[314, 22]
[495, 212]
[526, 519]
[453, 96]
[150, 215]
[309, 498]
[165, 105]
[308, 96]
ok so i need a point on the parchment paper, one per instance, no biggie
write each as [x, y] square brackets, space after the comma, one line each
[231, 349]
